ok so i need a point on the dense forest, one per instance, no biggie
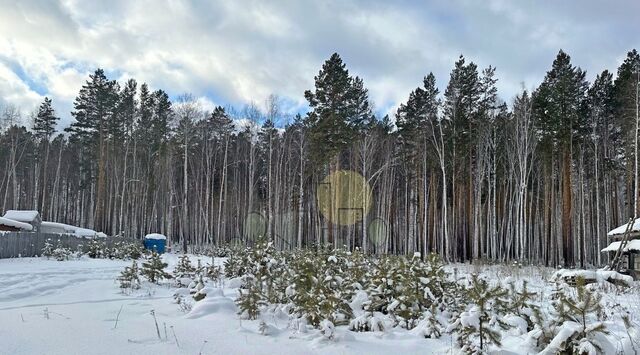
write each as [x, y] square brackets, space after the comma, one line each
[462, 173]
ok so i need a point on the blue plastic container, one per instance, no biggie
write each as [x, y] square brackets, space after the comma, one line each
[157, 242]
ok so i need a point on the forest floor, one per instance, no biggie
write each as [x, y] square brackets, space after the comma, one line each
[76, 307]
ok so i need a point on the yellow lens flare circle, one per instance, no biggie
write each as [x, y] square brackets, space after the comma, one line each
[255, 225]
[344, 197]
[378, 231]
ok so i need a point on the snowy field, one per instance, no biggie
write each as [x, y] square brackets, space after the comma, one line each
[72, 307]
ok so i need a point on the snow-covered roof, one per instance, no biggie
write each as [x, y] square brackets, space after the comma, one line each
[632, 245]
[84, 232]
[623, 228]
[22, 216]
[157, 236]
[61, 226]
[15, 224]
[66, 228]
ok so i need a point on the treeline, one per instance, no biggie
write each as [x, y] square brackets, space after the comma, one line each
[540, 179]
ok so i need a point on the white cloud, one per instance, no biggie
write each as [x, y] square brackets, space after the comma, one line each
[14, 91]
[235, 52]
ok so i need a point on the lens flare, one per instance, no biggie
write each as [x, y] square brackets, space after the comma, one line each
[255, 225]
[344, 197]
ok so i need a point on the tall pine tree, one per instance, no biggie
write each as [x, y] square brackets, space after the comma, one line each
[94, 108]
[557, 108]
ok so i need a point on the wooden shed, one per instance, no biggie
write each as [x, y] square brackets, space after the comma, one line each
[11, 225]
[626, 248]
[24, 216]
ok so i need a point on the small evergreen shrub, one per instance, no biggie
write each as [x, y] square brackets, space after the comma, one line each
[153, 268]
[47, 250]
[479, 325]
[578, 325]
[61, 253]
[250, 299]
[129, 277]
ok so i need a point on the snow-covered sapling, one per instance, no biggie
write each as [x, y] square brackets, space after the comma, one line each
[47, 250]
[250, 299]
[199, 269]
[214, 273]
[520, 303]
[581, 331]
[366, 322]
[129, 278]
[153, 268]
[96, 249]
[195, 291]
[61, 252]
[429, 326]
[183, 270]
[475, 328]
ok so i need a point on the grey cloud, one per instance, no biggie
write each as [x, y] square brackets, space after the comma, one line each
[246, 50]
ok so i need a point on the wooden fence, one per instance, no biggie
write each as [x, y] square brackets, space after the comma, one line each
[28, 244]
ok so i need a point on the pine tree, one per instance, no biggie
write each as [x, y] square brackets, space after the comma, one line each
[162, 115]
[329, 294]
[129, 278]
[146, 105]
[303, 291]
[238, 263]
[61, 253]
[250, 300]
[47, 250]
[44, 126]
[94, 107]
[133, 250]
[214, 273]
[520, 303]
[408, 301]
[476, 327]
[577, 332]
[627, 103]
[430, 326]
[557, 107]
[184, 267]
[221, 126]
[96, 249]
[120, 126]
[153, 268]
[382, 288]
[462, 107]
[199, 268]
[268, 139]
[340, 108]
[414, 116]
[361, 118]
[184, 272]
[356, 272]
[45, 121]
[605, 144]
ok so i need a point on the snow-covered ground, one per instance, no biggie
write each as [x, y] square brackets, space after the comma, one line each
[83, 299]
[71, 307]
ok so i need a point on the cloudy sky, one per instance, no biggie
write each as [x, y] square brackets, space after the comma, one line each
[234, 52]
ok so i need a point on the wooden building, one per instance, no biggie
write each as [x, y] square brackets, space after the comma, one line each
[625, 248]
[29, 217]
[10, 225]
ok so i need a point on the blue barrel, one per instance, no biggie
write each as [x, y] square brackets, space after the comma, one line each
[156, 242]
